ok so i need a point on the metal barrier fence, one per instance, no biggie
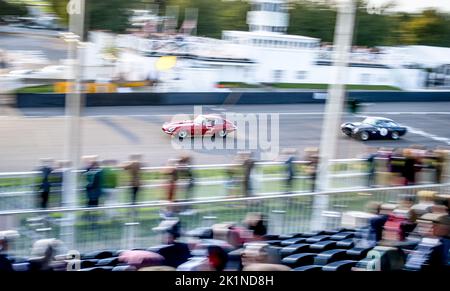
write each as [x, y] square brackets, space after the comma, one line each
[19, 190]
[130, 226]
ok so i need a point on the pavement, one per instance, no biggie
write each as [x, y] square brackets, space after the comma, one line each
[115, 132]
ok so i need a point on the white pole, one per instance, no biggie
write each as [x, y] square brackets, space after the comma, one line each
[334, 106]
[72, 151]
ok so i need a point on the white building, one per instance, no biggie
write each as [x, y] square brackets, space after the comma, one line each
[266, 54]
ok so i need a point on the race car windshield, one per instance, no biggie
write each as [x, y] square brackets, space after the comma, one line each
[371, 121]
[199, 120]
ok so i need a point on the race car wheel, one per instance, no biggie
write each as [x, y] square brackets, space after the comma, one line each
[395, 135]
[182, 134]
[223, 133]
[363, 135]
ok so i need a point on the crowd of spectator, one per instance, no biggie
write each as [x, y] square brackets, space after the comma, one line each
[412, 234]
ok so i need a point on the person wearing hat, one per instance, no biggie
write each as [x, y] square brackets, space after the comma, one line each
[432, 253]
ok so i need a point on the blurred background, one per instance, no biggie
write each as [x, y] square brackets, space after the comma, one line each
[88, 87]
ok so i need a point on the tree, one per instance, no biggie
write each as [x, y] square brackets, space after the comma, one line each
[109, 15]
[311, 18]
[12, 9]
[429, 28]
[214, 15]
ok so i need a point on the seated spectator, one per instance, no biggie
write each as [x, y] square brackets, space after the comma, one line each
[376, 223]
[257, 224]
[266, 267]
[255, 252]
[432, 253]
[178, 252]
[217, 258]
[141, 259]
[157, 268]
[425, 204]
[5, 238]
[43, 255]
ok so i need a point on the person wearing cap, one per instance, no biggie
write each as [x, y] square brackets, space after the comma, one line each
[432, 253]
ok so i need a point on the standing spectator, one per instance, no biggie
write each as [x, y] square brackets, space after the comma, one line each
[441, 164]
[248, 166]
[397, 165]
[410, 167]
[134, 169]
[172, 174]
[45, 183]
[371, 167]
[110, 182]
[290, 168]
[94, 184]
[312, 157]
[185, 171]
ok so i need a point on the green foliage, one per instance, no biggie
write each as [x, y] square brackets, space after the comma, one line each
[111, 15]
[306, 17]
[12, 9]
[214, 15]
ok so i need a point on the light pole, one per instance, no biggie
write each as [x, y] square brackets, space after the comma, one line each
[335, 103]
[72, 147]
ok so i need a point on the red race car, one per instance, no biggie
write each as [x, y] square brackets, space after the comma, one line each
[202, 125]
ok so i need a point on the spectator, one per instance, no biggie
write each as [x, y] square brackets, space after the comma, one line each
[312, 157]
[172, 174]
[134, 170]
[290, 168]
[371, 167]
[441, 163]
[178, 252]
[432, 253]
[426, 202]
[261, 267]
[110, 183]
[186, 172]
[5, 238]
[217, 258]
[94, 184]
[410, 167]
[397, 168]
[376, 223]
[248, 166]
[257, 224]
[43, 255]
[45, 183]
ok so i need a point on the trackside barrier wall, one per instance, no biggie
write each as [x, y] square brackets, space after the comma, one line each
[24, 100]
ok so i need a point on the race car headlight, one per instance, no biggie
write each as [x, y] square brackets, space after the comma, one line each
[355, 130]
[171, 129]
